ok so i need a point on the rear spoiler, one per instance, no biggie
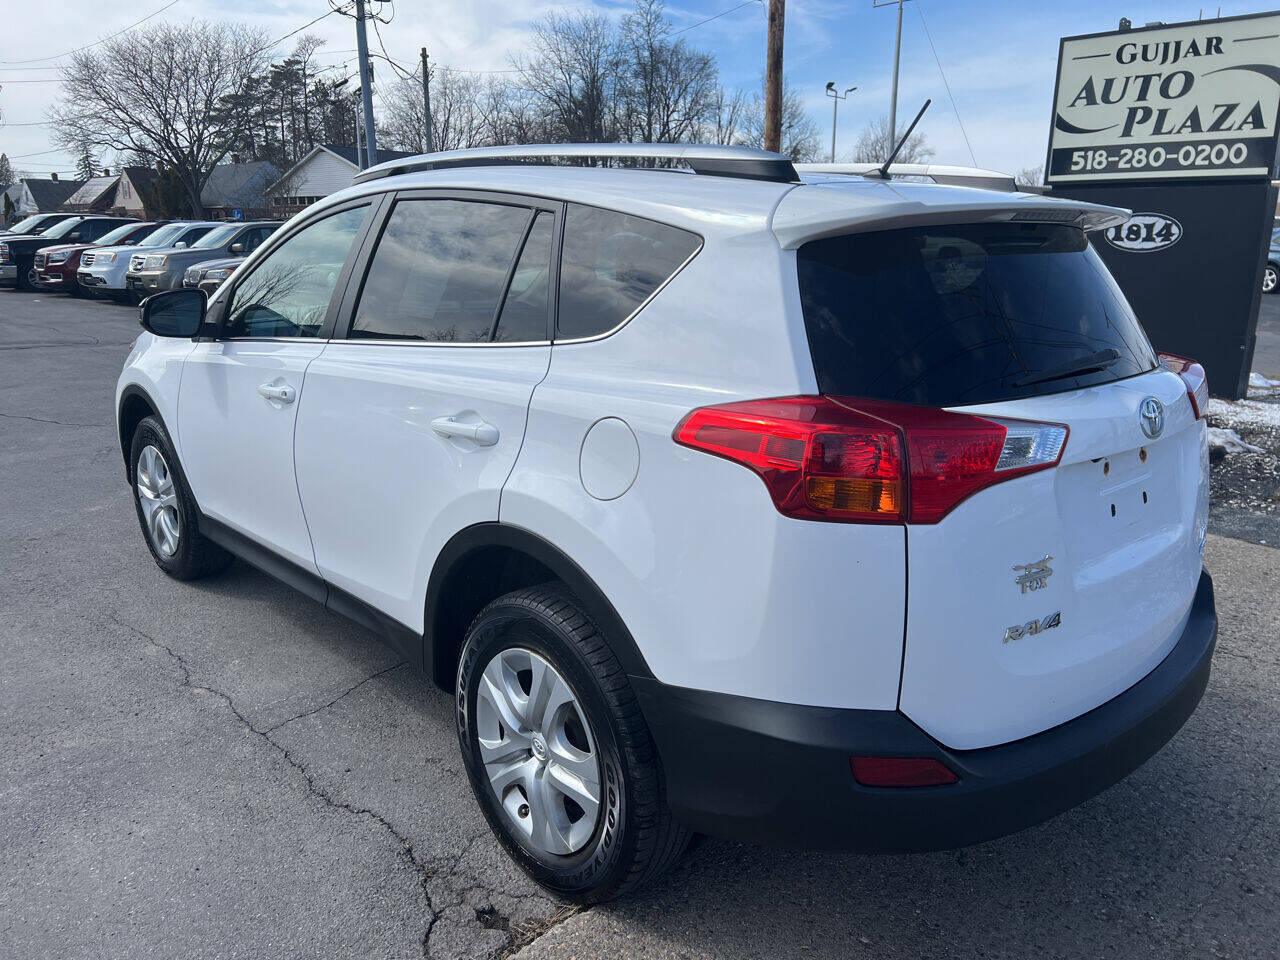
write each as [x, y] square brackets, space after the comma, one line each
[809, 214]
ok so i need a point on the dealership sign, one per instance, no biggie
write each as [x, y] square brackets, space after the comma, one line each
[1198, 99]
[1144, 233]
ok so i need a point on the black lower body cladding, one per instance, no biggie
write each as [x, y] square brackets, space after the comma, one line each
[778, 773]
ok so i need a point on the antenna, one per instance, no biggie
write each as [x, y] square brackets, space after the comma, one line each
[883, 172]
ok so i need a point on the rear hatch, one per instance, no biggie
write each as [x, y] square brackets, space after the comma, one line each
[1035, 599]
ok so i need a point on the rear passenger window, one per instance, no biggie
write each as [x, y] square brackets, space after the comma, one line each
[525, 309]
[439, 270]
[611, 264]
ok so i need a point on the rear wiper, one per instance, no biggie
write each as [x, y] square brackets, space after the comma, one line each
[1090, 363]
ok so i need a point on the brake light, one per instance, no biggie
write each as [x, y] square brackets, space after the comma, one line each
[861, 461]
[1194, 377]
[901, 772]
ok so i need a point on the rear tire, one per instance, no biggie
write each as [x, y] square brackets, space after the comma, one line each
[166, 509]
[1271, 278]
[520, 756]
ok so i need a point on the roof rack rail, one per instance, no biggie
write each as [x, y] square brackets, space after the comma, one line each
[747, 163]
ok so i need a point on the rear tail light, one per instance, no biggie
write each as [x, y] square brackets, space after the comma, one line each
[901, 772]
[860, 461]
[1193, 376]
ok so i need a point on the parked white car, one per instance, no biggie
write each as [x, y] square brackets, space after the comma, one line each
[102, 269]
[841, 513]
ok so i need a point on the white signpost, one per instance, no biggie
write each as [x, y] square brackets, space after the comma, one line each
[1198, 99]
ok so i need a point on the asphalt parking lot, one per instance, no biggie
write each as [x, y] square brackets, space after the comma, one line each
[225, 769]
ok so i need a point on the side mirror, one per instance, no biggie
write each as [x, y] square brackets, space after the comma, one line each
[236, 248]
[174, 313]
[181, 243]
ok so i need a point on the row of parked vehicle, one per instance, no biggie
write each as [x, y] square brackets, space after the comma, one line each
[122, 258]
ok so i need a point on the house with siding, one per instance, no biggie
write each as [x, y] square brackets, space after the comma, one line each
[33, 195]
[327, 169]
[133, 193]
[239, 186]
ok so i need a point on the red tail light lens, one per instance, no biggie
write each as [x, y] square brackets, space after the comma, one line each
[901, 772]
[858, 461]
[1194, 377]
[820, 460]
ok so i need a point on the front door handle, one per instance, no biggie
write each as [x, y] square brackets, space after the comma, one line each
[482, 434]
[281, 392]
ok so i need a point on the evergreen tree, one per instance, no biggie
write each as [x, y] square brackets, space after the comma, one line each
[85, 167]
[6, 171]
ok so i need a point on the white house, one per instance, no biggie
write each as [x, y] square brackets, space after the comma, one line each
[327, 169]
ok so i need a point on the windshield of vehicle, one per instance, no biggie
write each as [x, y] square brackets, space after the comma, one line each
[26, 223]
[216, 237]
[63, 228]
[164, 236]
[961, 314]
[117, 235]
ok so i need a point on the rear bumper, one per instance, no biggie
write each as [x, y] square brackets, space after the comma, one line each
[779, 773]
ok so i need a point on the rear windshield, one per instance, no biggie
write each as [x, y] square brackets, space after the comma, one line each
[952, 315]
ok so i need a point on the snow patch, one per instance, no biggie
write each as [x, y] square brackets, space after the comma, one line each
[1229, 441]
[1253, 413]
[1260, 386]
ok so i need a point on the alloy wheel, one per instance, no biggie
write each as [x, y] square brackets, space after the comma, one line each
[1269, 279]
[538, 752]
[159, 501]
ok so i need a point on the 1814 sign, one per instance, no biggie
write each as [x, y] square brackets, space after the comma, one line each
[1198, 99]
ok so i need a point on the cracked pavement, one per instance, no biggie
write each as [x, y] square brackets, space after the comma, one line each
[225, 769]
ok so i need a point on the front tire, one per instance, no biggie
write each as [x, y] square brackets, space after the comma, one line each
[557, 751]
[166, 509]
[1270, 278]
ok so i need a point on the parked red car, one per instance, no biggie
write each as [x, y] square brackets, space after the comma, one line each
[55, 267]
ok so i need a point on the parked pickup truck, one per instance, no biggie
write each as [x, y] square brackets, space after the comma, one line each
[18, 253]
[56, 267]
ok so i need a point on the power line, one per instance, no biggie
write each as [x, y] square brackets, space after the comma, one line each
[723, 13]
[96, 42]
[920, 10]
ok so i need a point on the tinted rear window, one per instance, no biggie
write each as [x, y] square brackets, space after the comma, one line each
[611, 264]
[952, 315]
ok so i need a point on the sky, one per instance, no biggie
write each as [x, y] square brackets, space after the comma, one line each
[997, 56]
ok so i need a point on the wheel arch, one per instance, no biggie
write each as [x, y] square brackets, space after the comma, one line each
[487, 560]
[135, 405]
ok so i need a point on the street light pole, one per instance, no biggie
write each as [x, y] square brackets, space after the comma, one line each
[836, 97]
[366, 85]
[897, 55]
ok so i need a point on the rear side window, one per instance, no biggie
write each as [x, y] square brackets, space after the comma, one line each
[526, 307]
[611, 264]
[439, 271]
[953, 315]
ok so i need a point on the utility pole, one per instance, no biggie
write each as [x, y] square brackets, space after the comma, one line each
[366, 85]
[897, 54]
[836, 96]
[773, 77]
[426, 101]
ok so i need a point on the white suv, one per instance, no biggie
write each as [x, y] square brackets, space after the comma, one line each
[832, 512]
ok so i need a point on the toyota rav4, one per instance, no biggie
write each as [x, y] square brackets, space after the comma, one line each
[827, 511]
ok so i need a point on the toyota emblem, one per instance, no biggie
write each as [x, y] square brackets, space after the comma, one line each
[1151, 416]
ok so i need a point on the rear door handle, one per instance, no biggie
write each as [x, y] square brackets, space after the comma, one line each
[281, 392]
[482, 434]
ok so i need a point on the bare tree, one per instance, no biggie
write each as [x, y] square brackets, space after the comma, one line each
[671, 88]
[729, 114]
[1030, 176]
[166, 93]
[572, 74]
[457, 112]
[873, 145]
[799, 131]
